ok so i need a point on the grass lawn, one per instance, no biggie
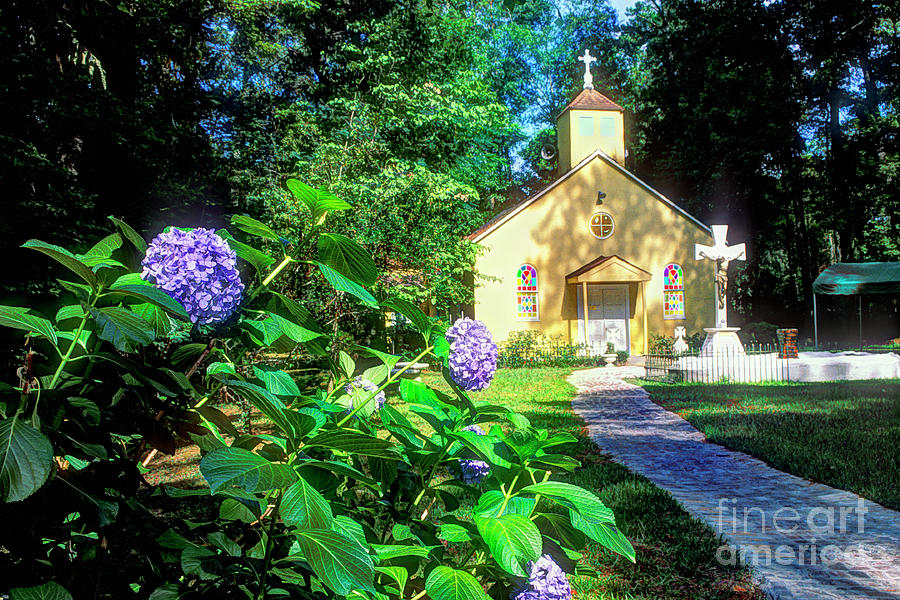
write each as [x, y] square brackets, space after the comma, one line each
[675, 553]
[845, 434]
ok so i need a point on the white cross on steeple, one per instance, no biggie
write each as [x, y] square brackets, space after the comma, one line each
[587, 59]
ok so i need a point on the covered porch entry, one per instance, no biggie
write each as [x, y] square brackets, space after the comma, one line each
[610, 291]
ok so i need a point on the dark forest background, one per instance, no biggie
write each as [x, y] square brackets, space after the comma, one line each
[779, 118]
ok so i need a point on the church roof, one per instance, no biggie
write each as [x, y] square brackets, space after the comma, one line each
[509, 213]
[592, 100]
[627, 271]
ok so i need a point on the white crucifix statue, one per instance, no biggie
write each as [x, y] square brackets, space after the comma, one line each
[721, 337]
[587, 59]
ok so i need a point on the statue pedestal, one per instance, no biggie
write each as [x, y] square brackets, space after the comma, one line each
[722, 340]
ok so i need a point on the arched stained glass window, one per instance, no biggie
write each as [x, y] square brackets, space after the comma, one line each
[673, 292]
[673, 278]
[527, 293]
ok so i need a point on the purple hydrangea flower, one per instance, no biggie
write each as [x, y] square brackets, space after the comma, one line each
[197, 268]
[473, 470]
[366, 385]
[473, 354]
[546, 582]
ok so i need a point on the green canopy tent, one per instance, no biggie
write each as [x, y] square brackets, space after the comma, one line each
[855, 279]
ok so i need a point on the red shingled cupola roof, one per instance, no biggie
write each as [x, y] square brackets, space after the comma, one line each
[592, 100]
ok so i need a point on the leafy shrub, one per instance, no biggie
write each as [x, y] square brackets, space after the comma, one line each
[663, 344]
[340, 496]
[533, 348]
[758, 333]
[622, 357]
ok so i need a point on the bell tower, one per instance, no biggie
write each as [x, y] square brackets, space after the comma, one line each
[589, 122]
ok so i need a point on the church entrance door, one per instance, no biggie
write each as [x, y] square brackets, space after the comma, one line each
[608, 317]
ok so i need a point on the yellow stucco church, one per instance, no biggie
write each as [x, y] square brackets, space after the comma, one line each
[598, 242]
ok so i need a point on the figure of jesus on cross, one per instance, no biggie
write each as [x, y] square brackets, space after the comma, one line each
[723, 255]
[587, 59]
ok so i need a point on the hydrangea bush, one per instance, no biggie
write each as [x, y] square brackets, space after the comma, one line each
[197, 268]
[342, 496]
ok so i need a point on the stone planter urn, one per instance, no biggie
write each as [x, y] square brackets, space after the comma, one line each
[609, 359]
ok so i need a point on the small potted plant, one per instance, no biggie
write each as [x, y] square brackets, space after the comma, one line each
[610, 356]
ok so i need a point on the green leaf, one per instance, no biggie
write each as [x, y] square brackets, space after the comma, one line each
[342, 284]
[574, 498]
[218, 418]
[347, 258]
[267, 403]
[514, 540]
[318, 202]
[26, 456]
[398, 574]
[227, 467]
[390, 551]
[73, 311]
[66, 259]
[554, 461]
[347, 364]
[416, 392]
[167, 591]
[377, 374]
[200, 562]
[105, 247]
[265, 332]
[606, 534]
[89, 410]
[340, 468]
[305, 420]
[124, 329]
[559, 527]
[159, 321]
[389, 360]
[350, 528]
[224, 543]
[259, 260]
[485, 446]
[444, 583]
[558, 439]
[412, 312]
[46, 591]
[254, 227]
[293, 331]
[441, 347]
[18, 318]
[354, 442]
[454, 533]
[402, 532]
[294, 312]
[491, 501]
[155, 296]
[233, 509]
[304, 507]
[339, 562]
[130, 234]
[276, 381]
[82, 291]
[220, 367]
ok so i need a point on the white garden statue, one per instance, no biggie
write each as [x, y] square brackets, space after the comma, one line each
[680, 346]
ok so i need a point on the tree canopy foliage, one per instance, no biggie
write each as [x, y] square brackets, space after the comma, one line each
[779, 118]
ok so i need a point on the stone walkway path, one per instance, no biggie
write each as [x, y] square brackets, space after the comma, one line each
[804, 540]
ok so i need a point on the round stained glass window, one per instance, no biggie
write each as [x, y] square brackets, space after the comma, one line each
[602, 225]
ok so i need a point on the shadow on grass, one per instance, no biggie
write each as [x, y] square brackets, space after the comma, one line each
[843, 434]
